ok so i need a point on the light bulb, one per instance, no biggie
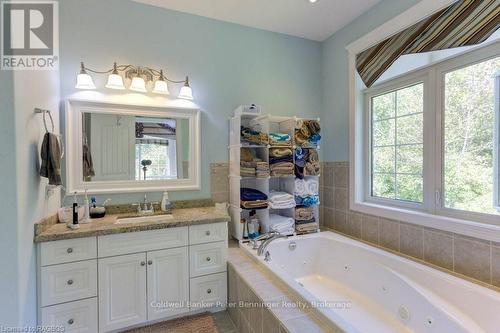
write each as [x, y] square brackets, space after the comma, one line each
[115, 81]
[161, 86]
[84, 80]
[186, 91]
[138, 84]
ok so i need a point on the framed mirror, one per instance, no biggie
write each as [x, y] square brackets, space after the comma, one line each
[115, 148]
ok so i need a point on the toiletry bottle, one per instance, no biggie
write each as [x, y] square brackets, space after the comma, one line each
[255, 222]
[74, 224]
[86, 205]
[245, 228]
[252, 226]
[166, 205]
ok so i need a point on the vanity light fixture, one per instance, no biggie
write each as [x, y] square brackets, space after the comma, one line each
[115, 80]
[139, 77]
[161, 86]
[313, 1]
[186, 91]
[84, 80]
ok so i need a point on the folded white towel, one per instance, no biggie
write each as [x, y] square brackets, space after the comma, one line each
[282, 224]
[281, 200]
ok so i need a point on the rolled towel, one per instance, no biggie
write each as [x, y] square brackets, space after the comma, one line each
[312, 186]
[300, 187]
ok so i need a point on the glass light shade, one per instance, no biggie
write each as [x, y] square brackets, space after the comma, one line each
[186, 93]
[138, 84]
[115, 81]
[84, 81]
[161, 87]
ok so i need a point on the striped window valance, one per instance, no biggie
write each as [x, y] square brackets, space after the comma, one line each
[466, 22]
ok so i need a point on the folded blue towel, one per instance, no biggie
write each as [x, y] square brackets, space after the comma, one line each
[250, 194]
[307, 201]
[314, 138]
[279, 137]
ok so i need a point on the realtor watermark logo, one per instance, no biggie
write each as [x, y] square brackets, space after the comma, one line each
[29, 35]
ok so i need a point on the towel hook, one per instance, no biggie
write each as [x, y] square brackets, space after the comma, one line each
[42, 111]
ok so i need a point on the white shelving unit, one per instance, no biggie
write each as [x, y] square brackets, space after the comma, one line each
[265, 124]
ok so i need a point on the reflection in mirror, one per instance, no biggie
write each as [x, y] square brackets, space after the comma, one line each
[125, 147]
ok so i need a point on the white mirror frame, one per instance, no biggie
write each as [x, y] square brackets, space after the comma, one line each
[74, 166]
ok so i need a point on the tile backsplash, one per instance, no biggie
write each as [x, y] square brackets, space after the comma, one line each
[471, 257]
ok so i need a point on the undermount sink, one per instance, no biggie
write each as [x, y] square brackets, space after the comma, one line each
[143, 219]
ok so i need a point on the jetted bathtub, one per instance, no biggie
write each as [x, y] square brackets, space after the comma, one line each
[364, 289]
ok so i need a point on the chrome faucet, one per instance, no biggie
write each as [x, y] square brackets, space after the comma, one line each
[144, 210]
[273, 236]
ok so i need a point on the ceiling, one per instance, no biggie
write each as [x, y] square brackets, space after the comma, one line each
[299, 18]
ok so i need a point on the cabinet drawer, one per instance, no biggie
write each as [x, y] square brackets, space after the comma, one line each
[143, 241]
[206, 233]
[208, 291]
[68, 250]
[68, 282]
[207, 258]
[79, 316]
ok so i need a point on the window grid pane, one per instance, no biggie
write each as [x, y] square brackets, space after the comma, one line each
[403, 179]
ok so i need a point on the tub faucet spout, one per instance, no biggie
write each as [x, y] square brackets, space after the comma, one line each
[263, 246]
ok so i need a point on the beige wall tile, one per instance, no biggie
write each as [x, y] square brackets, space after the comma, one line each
[438, 248]
[472, 258]
[341, 199]
[341, 176]
[495, 262]
[389, 234]
[219, 181]
[220, 196]
[355, 221]
[341, 223]
[369, 229]
[308, 323]
[328, 177]
[328, 197]
[329, 217]
[411, 240]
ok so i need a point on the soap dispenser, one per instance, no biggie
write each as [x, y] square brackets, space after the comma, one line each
[166, 205]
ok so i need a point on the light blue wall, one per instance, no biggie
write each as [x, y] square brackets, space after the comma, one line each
[335, 113]
[8, 221]
[228, 65]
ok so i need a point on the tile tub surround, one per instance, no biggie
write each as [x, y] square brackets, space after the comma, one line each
[260, 303]
[107, 225]
[467, 257]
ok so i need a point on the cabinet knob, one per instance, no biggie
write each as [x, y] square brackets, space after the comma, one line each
[150, 262]
[143, 263]
[208, 258]
[207, 232]
[69, 250]
[209, 291]
[71, 321]
[69, 282]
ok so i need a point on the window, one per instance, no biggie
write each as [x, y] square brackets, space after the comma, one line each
[468, 134]
[397, 144]
[432, 138]
[161, 153]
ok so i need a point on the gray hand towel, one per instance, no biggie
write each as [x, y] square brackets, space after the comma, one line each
[51, 159]
[88, 165]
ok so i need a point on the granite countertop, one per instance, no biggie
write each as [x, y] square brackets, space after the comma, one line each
[107, 225]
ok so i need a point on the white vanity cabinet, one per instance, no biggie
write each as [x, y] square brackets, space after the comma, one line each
[112, 282]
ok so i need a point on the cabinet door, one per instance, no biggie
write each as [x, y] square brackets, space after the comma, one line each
[168, 282]
[122, 291]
